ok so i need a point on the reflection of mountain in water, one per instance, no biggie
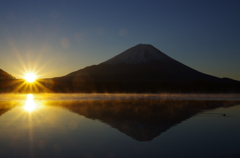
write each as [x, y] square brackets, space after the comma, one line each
[142, 120]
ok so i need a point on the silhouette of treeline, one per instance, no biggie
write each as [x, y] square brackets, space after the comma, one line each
[86, 85]
[142, 120]
[8, 85]
[70, 85]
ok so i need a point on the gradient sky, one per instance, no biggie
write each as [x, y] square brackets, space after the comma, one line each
[56, 37]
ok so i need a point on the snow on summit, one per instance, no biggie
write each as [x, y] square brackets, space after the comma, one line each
[138, 54]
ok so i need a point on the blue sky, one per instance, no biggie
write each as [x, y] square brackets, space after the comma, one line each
[56, 37]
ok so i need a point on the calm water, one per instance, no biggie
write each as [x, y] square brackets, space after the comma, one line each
[119, 126]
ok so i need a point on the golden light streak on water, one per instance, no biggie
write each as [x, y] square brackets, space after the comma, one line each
[30, 104]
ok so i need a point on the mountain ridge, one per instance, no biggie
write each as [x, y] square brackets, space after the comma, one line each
[5, 75]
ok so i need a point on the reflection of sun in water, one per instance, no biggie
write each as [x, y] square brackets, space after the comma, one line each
[30, 104]
[30, 77]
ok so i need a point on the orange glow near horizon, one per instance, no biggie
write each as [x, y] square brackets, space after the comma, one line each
[32, 83]
[30, 67]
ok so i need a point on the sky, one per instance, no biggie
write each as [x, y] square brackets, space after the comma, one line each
[56, 37]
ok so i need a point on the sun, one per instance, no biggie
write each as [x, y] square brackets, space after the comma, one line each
[30, 77]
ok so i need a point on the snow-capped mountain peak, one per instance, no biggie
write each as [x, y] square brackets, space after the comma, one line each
[138, 54]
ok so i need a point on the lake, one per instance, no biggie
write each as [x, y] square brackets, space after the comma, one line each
[119, 125]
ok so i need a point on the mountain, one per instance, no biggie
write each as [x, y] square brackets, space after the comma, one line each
[144, 62]
[142, 68]
[5, 75]
[7, 82]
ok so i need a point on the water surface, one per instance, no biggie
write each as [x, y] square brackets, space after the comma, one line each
[119, 125]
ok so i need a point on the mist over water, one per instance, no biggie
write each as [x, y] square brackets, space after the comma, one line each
[120, 96]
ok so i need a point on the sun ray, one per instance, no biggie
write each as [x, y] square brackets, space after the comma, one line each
[31, 61]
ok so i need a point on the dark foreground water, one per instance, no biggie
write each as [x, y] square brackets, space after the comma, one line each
[119, 126]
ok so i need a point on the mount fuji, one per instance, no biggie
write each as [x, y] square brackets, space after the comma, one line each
[139, 54]
[154, 61]
[142, 68]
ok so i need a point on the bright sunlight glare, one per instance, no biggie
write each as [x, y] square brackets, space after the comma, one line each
[30, 77]
[30, 104]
